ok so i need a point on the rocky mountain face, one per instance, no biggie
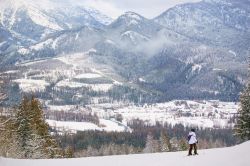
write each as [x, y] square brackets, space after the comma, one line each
[30, 22]
[214, 22]
[191, 51]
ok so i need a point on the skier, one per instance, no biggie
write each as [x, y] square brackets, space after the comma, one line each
[192, 141]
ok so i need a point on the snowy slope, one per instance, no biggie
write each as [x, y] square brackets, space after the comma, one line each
[232, 156]
[33, 21]
[50, 13]
[211, 21]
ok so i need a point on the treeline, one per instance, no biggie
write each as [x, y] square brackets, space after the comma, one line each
[179, 131]
[143, 139]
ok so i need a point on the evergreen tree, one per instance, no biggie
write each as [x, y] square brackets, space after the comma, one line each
[68, 152]
[8, 143]
[183, 144]
[175, 144]
[91, 151]
[243, 122]
[33, 135]
[152, 145]
[23, 125]
[41, 131]
[2, 93]
[164, 142]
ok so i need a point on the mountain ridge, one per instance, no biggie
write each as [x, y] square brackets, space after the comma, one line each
[188, 55]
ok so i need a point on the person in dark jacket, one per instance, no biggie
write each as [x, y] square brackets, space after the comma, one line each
[192, 141]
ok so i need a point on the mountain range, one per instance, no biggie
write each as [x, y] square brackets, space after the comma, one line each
[191, 51]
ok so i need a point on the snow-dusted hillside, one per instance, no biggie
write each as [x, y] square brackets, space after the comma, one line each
[75, 83]
[232, 156]
[212, 21]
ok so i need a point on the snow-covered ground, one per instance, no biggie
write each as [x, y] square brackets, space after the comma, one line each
[105, 125]
[94, 87]
[88, 75]
[232, 156]
[30, 85]
[203, 114]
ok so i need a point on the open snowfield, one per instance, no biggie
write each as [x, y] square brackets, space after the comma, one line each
[232, 156]
[105, 125]
[30, 85]
[88, 75]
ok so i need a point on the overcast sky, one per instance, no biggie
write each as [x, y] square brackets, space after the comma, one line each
[147, 8]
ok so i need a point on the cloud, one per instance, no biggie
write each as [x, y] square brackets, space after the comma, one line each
[147, 8]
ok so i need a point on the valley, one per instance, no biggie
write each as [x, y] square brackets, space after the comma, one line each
[181, 67]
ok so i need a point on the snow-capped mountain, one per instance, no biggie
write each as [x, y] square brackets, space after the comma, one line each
[191, 51]
[131, 21]
[32, 21]
[128, 19]
[214, 22]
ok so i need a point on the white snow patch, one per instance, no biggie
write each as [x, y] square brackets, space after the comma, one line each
[1, 44]
[70, 84]
[110, 42]
[217, 69]
[134, 36]
[41, 45]
[61, 107]
[41, 19]
[92, 50]
[64, 59]
[196, 67]
[132, 15]
[72, 126]
[142, 80]
[94, 87]
[30, 85]
[111, 125]
[105, 125]
[77, 36]
[102, 18]
[54, 44]
[23, 51]
[88, 75]
[232, 52]
[10, 72]
[132, 22]
[101, 87]
[117, 82]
